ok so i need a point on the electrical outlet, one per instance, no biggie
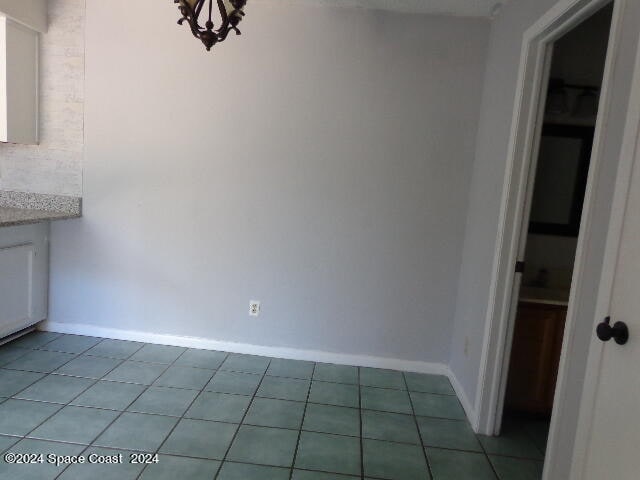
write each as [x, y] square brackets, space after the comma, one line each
[254, 308]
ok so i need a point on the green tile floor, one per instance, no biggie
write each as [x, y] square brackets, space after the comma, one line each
[214, 415]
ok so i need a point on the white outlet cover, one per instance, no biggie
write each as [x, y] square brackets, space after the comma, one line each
[254, 308]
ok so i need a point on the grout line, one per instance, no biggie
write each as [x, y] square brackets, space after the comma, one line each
[45, 375]
[7, 362]
[490, 454]
[304, 414]
[122, 412]
[121, 361]
[58, 335]
[232, 371]
[22, 390]
[81, 352]
[486, 456]
[204, 389]
[415, 419]
[184, 415]
[246, 462]
[242, 420]
[272, 427]
[533, 440]
[181, 417]
[126, 410]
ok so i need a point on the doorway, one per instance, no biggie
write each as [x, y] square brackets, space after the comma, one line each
[555, 193]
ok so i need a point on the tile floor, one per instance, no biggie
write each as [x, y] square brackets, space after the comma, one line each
[226, 416]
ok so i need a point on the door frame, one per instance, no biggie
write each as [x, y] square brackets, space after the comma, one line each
[628, 161]
[560, 19]
[528, 172]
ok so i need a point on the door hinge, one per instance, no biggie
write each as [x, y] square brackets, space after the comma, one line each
[520, 266]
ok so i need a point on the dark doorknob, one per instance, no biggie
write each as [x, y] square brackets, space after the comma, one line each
[619, 332]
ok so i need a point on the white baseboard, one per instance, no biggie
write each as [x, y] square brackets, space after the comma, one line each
[469, 408]
[277, 352]
[234, 347]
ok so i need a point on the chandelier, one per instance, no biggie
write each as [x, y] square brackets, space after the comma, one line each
[231, 12]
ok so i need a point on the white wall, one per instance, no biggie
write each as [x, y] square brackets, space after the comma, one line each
[486, 186]
[486, 192]
[55, 165]
[319, 163]
[555, 254]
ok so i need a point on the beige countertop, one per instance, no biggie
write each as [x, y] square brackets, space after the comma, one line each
[545, 296]
[23, 216]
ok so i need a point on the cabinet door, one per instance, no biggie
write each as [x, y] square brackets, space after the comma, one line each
[23, 277]
[16, 286]
[534, 357]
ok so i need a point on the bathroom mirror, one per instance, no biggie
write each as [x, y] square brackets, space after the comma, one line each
[561, 179]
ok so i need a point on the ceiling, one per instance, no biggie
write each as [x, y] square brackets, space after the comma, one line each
[467, 8]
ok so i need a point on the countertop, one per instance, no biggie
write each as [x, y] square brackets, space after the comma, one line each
[545, 296]
[22, 208]
[23, 216]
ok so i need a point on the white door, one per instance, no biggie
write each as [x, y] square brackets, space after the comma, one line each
[610, 413]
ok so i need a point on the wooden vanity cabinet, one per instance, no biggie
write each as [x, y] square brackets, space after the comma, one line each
[535, 355]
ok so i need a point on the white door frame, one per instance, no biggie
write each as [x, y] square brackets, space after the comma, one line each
[564, 16]
[529, 171]
[628, 155]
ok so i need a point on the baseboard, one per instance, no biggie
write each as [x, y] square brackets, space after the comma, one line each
[278, 352]
[234, 347]
[469, 408]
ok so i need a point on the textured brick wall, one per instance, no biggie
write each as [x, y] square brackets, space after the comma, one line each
[55, 165]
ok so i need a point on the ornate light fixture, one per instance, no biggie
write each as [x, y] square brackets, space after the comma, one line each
[231, 12]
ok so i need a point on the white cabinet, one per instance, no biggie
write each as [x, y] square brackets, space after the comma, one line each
[24, 263]
[18, 83]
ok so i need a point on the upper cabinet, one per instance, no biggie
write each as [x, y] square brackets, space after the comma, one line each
[20, 26]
